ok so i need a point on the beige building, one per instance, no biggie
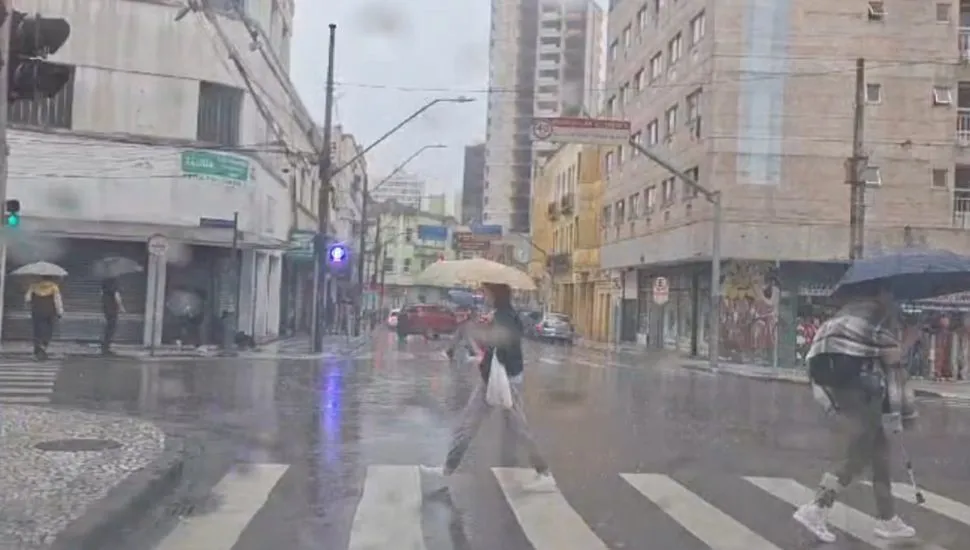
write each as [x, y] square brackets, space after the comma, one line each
[756, 100]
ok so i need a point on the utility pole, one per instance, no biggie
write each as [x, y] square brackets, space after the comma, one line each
[856, 166]
[323, 208]
[4, 146]
[361, 276]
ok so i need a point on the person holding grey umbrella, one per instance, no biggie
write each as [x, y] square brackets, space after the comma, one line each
[46, 306]
[111, 305]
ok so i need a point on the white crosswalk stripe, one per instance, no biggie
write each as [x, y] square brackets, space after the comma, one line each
[390, 512]
[27, 382]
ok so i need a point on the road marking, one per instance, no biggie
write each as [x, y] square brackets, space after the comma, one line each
[547, 519]
[842, 517]
[713, 527]
[952, 509]
[25, 399]
[549, 361]
[388, 516]
[240, 497]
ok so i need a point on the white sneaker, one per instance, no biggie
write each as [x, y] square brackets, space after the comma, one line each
[815, 518]
[543, 483]
[894, 528]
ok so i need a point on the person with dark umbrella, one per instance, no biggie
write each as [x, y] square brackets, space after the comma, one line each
[111, 307]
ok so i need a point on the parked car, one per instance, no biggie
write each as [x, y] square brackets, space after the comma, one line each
[556, 327]
[530, 320]
[431, 320]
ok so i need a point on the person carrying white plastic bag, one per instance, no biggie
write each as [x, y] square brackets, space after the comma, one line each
[500, 387]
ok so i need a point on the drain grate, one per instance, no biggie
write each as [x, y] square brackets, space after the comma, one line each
[78, 445]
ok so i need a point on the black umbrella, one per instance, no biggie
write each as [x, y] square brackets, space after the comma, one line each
[911, 274]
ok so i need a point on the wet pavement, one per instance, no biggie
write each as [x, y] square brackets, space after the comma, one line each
[323, 453]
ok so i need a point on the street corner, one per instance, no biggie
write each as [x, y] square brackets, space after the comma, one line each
[73, 480]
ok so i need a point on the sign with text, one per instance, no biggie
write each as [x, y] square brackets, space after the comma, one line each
[594, 131]
[438, 233]
[479, 229]
[216, 167]
[469, 242]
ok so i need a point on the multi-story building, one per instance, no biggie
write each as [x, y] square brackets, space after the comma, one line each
[756, 101]
[409, 240]
[566, 212]
[404, 188]
[158, 133]
[473, 184]
[545, 60]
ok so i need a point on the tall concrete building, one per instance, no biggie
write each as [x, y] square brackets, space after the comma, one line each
[403, 188]
[473, 184]
[545, 60]
[757, 102]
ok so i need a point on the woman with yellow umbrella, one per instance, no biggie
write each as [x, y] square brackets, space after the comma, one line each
[502, 341]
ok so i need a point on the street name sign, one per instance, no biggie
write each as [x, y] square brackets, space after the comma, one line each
[593, 131]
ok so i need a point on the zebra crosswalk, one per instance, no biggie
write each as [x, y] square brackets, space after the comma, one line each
[391, 514]
[27, 382]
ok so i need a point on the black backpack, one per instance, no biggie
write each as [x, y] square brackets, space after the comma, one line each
[832, 370]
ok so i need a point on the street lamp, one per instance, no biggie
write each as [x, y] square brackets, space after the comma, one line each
[364, 202]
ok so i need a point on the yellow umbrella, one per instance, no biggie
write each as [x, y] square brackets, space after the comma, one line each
[474, 272]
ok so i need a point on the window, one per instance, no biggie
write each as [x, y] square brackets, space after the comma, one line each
[877, 11]
[670, 122]
[693, 105]
[219, 112]
[874, 93]
[388, 265]
[873, 176]
[605, 216]
[942, 95]
[408, 235]
[653, 132]
[553, 57]
[667, 191]
[638, 139]
[608, 162]
[698, 26]
[407, 265]
[611, 106]
[613, 49]
[634, 206]
[691, 192]
[624, 97]
[940, 177]
[656, 66]
[943, 13]
[649, 199]
[620, 211]
[674, 49]
[638, 81]
[547, 105]
[627, 37]
[642, 20]
[51, 112]
[619, 155]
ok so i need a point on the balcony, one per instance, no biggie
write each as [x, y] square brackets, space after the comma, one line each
[552, 210]
[586, 259]
[567, 203]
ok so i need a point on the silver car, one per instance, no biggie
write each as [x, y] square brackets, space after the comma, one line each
[557, 327]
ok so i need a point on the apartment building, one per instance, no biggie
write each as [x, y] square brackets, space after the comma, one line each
[473, 184]
[544, 58]
[404, 188]
[756, 101]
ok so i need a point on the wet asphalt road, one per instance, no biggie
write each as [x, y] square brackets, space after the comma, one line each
[596, 416]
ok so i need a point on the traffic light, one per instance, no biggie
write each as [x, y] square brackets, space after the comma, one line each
[337, 254]
[11, 213]
[32, 39]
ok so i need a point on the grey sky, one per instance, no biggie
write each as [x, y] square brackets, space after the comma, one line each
[393, 57]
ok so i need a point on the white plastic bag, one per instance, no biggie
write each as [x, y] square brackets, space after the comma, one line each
[498, 392]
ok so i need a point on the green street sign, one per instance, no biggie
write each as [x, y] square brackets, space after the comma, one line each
[216, 167]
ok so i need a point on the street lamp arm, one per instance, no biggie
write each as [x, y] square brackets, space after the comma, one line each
[397, 169]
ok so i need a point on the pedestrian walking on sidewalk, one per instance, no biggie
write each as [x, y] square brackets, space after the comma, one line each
[46, 306]
[854, 365]
[111, 307]
[503, 341]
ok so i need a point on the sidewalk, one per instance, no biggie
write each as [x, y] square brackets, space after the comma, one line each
[70, 480]
[923, 388]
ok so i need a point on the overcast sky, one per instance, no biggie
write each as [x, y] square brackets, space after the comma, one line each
[392, 57]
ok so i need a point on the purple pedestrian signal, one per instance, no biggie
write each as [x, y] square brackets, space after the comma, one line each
[337, 254]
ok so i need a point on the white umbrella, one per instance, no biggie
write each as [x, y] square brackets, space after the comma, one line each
[474, 272]
[41, 269]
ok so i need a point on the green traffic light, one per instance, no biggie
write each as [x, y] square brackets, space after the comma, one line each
[13, 220]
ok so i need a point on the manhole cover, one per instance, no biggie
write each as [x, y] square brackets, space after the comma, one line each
[77, 445]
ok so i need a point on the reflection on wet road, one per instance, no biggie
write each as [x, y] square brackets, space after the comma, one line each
[324, 453]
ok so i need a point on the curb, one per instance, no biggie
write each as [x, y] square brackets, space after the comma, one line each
[108, 519]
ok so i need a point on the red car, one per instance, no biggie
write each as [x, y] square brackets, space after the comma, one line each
[430, 320]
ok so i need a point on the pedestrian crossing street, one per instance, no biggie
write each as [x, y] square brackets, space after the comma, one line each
[390, 513]
[27, 382]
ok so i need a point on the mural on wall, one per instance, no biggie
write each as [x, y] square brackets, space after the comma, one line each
[749, 311]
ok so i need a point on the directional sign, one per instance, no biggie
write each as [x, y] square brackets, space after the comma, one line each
[661, 291]
[595, 131]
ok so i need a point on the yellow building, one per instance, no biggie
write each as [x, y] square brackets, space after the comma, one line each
[566, 205]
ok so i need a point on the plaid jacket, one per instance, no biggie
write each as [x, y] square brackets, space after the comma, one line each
[862, 328]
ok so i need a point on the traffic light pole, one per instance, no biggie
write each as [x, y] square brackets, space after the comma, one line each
[4, 146]
[361, 276]
[323, 208]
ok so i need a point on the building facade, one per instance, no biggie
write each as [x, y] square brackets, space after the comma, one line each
[566, 210]
[473, 184]
[403, 188]
[756, 101]
[161, 137]
[544, 58]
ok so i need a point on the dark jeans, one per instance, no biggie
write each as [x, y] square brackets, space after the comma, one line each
[43, 328]
[110, 327]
